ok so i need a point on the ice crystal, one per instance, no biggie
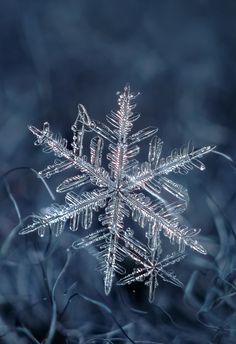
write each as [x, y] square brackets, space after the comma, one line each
[126, 187]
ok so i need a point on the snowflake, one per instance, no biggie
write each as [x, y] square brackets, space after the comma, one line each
[122, 189]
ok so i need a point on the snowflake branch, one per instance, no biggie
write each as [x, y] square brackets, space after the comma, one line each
[181, 162]
[183, 236]
[44, 137]
[57, 215]
[113, 219]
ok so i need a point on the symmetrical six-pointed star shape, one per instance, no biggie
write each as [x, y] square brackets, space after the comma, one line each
[126, 187]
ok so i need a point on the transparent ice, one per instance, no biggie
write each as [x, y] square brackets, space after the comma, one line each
[127, 188]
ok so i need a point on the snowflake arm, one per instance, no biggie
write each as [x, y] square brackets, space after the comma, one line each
[52, 143]
[179, 162]
[112, 251]
[77, 208]
[144, 211]
[113, 219]
[122, 151]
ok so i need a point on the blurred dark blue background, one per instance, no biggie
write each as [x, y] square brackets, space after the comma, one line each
[181, 56]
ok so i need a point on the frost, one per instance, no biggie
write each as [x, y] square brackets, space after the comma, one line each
[126, 188]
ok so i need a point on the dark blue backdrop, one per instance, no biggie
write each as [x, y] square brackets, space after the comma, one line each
[181, 56]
